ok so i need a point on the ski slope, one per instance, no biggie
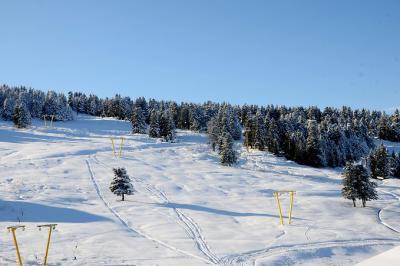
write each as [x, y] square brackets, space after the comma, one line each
[189, 210]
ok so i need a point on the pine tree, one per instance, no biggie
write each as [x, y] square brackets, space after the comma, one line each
[366, 188]
[313, 146]
[21, 116]
[154, 128]
[167, 127]
[357, 185]
[379, 162]
[8, 109]
[272, 139]
[138, 121]
[213, 132]
[228, 154]
[121, 183]
[349, 190]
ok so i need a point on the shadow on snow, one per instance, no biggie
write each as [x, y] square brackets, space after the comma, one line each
[21, 211]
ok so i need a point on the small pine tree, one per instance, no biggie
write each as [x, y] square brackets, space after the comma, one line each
[313, 145]
[121, 183]
[8, 109]
[357, 185]
[21, 116]
[154, 129]
[138, 121]
[379, 162]
[228, 154]
[349, 190]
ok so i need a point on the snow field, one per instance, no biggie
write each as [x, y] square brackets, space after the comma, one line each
[189, 210]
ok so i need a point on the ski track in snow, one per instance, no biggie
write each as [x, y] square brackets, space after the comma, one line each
[126, 224]
[190, 226]
[380, 211]
[255, 255]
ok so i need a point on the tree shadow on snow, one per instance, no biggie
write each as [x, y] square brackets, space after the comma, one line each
[21, 211]
[194, 207]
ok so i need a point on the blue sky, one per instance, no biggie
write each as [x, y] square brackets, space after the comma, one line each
[325, 53]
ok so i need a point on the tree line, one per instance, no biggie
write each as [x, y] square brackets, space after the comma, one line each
[311, 136]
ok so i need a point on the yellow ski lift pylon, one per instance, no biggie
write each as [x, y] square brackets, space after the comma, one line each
[49, 120]
[277, 194]
[51, 228]
[120, 146]
[12, 229]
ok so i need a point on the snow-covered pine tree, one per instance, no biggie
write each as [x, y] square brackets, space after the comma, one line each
[349, 190]
[357, 185]
[167, 126]
[379, 162]
[227, 152]
[154, 128]
[272, 139]
[138, 121]
[8, 109]
[313, 146]
[396, 166]
[121, 183]
[213, 132]
[260, 132]
[366, 188]
[21, 116]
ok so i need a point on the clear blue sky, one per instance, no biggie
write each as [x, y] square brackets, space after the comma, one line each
[325, 53]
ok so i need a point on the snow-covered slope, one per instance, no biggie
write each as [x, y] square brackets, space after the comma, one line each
[189, 210]
[388, 258]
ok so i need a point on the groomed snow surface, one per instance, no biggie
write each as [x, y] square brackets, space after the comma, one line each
[189, 210]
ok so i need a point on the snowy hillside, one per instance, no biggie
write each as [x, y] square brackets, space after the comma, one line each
[189, 210]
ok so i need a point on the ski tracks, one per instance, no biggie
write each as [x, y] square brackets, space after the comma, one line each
[380, 211]
[190, 226]
[126, 224]
[255, 255]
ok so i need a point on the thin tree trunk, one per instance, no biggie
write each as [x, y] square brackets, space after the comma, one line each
[123, 198]
[354, 202]
[363, 201]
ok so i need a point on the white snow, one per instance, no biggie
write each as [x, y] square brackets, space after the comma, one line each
[388, 258]
[189, 210]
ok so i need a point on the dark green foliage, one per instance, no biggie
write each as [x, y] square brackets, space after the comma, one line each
[357, 184]
[121, 183]
[21, 116]
[379, 162]
[227, 152]
[138, 121]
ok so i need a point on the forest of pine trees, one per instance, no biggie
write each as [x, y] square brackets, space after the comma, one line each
[328, 137]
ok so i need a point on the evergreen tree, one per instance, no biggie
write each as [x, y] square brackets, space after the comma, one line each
[121, 183]
[8, 109]
[228, 154]
[21, 116]
[273, 137]
[138, 121]
[213, 132]
[379, 162]
[357, 185]
[395, 165]
[313, 147]
[154, 128]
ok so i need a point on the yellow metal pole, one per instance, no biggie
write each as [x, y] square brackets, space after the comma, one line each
[291, 206]
[279, 207]
[120, 147]
[113, 146]
[47, 247]
[16, 246]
